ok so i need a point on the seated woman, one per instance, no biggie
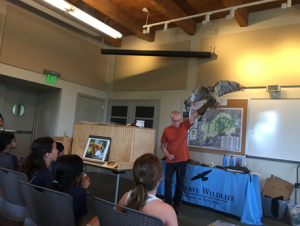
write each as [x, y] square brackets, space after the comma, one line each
[147, 172]
[60, 148]
[35, 166]
[8, 142]
[69, 179]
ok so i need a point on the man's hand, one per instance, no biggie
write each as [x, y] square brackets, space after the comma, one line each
[171, 157]
[204, 107]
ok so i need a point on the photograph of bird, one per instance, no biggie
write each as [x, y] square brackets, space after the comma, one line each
[210, 93]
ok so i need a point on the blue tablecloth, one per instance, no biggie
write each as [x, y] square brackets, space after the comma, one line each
[221, 190]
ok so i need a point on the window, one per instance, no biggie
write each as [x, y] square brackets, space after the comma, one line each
[119, 114]
[129, 111]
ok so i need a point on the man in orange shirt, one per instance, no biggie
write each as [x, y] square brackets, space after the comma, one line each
[171, 139]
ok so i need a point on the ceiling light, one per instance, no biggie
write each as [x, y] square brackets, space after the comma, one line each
[66, 9]
[60, 4]
[165, 27]
[207, 19]
[95, 23]
[230, 15]
[146, 10]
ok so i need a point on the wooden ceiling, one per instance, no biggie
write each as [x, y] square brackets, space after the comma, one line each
[127, 16]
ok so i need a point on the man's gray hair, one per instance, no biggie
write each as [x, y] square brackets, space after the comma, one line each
[175, 112]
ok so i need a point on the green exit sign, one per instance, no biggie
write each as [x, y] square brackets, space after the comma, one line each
[51, 76]
[51, 79]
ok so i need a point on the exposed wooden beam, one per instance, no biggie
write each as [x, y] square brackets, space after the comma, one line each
[113, 41]
[241, 15]
[173, 11]
[121, 16]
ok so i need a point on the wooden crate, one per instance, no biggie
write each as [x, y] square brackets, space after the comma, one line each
[67, 143]
[127, 142]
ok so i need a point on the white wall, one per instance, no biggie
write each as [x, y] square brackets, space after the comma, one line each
[46, 121]
[68, 97]
[172, 100]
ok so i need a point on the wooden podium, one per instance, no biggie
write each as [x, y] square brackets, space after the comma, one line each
[127, 142]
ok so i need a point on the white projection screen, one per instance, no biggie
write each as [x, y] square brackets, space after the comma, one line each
[273, 129]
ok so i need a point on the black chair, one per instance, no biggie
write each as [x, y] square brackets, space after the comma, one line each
[47, 207]
[6, 162]
[5, 222]
[13, 204]
[109, 216]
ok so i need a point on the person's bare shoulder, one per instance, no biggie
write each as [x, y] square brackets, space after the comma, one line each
[123, 199]
[158, 208]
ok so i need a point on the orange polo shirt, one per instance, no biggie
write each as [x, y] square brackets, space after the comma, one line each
[173, 138]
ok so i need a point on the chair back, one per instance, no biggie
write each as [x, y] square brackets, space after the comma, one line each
[6, 162]
[48, 207]
[5, 222]
[109, 216]
[13, 204]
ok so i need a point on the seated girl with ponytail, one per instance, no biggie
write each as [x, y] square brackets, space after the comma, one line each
[147, 171]
[35, 166]
[68, 178]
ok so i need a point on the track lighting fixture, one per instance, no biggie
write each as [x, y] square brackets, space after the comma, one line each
[230, 15]
[207, 19]
[207, 14]
[165, 27]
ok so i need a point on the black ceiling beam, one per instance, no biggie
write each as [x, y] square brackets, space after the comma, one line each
[156, 53]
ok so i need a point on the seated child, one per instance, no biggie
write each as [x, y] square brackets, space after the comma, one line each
[8, 142]
[60, 147]
[147, 172]
[68, 178]
[35, 166]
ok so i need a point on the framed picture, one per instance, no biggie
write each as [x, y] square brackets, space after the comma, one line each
[97, 148]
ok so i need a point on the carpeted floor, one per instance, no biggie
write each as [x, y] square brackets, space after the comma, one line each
[103, 186]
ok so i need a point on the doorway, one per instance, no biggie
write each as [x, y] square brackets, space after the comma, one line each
[89, 108]
[30, 110]
[19, 116]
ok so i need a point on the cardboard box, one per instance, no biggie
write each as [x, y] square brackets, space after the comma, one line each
[275, 187]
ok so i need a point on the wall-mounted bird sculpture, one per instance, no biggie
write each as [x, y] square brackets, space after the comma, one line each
[210, 93]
